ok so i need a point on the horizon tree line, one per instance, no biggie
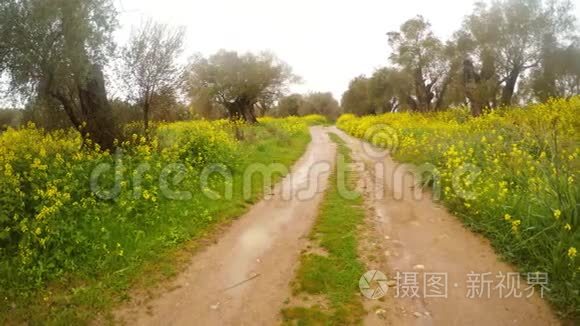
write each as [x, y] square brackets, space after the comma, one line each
[507, 52]
[59, 55]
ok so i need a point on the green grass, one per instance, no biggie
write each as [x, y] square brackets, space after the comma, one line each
[154, 254]
[333, 276]
[306, 316]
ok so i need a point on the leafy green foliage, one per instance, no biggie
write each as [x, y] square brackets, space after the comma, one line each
[54, 51]
[237, 83]
[316, 103]
[508, 51]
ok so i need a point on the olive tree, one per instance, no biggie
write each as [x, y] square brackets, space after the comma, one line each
[511, 37]
[322, 103]
[53, 51]
[420, 55]
[289, 105]
[239, 82]
[384, 91]
[357, 99]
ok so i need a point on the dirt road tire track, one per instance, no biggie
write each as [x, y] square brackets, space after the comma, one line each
[417, 235]
[244, 278]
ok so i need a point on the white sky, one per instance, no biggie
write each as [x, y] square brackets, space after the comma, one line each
[326, 42]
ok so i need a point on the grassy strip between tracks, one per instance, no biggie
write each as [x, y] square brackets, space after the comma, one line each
[327, 278]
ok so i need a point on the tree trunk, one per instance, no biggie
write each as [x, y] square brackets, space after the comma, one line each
[412, 103]
[471, 84]
[96, 111]
[441, 96]
[476, 108]
[234, 112]
[250, 115]
[242, 109]
[446, 82]
[68, 106]
[146, 109]
[510, 85]
[421, 91]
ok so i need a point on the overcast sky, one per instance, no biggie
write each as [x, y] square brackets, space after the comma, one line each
[327, 42]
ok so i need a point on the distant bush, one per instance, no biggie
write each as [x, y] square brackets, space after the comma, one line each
[10, 118]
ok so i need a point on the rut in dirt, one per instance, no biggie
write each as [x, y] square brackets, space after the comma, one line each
[244, 278]
[414, 236]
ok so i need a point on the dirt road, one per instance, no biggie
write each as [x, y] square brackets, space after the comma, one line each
[412, 234]
[243, 279]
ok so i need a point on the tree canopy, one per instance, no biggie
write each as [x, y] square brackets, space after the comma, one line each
[420, 55]
[54, 51]
[150, 69]
[238, 83]
[322, 103]
[377, 94]
[505, 52]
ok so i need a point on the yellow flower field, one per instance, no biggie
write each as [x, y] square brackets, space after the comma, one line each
[524, 196]
[68, 209]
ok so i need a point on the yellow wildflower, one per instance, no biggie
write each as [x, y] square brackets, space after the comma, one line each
[567, 227]
[557, 214]
[37, 164]
[572, 252]
[516, 225]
